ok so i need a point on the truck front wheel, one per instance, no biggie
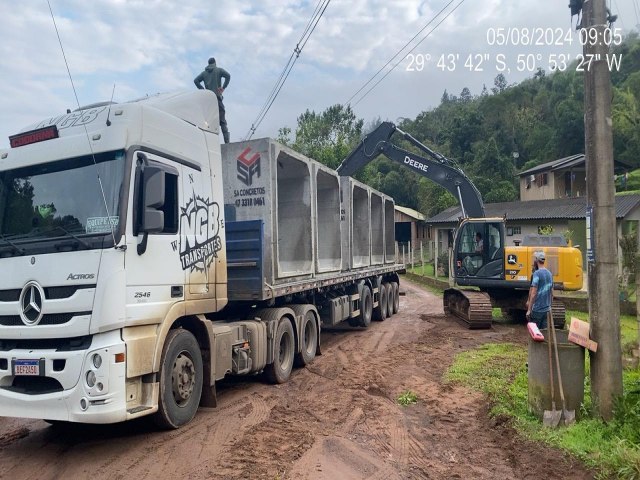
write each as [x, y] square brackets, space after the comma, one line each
[180, 380]
[283, 352]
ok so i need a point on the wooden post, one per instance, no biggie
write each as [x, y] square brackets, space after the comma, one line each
[411, 256]
[422, 258]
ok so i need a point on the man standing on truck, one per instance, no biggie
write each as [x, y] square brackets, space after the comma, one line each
[540, 292]
[211, 76]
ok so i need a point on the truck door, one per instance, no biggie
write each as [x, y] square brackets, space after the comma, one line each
[155, 278]
[200, 241]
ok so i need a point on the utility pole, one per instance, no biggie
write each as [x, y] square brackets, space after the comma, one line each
[604, 304]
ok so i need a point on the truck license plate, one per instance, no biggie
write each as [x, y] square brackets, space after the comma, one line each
[26, 367]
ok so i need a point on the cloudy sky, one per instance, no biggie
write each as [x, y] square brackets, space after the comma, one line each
[149, 46]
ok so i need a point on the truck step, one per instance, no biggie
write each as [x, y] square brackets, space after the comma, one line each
[138, 409]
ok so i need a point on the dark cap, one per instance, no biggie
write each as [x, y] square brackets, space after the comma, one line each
[212, 60]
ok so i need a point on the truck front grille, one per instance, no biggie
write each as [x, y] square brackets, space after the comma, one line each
[50, 319]
[34, 385]
[50, 293]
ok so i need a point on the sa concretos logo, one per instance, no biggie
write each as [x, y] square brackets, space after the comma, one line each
[248, 166]
[199, 233]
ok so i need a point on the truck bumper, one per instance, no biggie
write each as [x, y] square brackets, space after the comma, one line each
[63, 391]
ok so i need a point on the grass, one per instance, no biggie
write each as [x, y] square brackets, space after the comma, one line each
[407, 398]
[428, 271]
[612, 449]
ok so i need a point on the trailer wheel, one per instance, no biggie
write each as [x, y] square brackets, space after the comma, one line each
[366, 307]
[380, 312]
[309, 337]
[396, 296]
[389, 291]
[280, 370]
[181, 377]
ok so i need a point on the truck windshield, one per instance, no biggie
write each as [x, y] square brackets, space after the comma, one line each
[61, 198]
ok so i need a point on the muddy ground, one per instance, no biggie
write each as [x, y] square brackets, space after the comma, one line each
[337, 419]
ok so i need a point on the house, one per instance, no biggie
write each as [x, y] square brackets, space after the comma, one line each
[564, 216]
[410, 226]
[563, 178]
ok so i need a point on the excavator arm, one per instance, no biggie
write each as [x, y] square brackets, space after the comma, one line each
[437, 168]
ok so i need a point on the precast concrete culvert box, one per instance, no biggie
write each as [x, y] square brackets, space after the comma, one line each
[377, 228]
[389, 230]
[271, 183]
[293, 215]
[328, 235]
[360, 226]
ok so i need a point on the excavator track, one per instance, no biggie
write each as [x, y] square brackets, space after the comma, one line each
[470, 306]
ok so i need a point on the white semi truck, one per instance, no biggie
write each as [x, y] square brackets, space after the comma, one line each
[141, 262]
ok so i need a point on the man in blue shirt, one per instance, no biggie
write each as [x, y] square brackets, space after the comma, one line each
[540, 293]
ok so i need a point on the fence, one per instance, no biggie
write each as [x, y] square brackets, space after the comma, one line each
[418, 255]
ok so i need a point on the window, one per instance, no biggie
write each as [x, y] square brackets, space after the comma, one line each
[517, 230]
[529, 180]
[170, 207]
[542, 179]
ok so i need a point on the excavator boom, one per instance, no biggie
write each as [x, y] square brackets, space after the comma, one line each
[436, 168]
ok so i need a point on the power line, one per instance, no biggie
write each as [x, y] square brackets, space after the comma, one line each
[398, 53]
[95, 163]
[318, 12]
[273, 91]
[615, 2]
[412, 49]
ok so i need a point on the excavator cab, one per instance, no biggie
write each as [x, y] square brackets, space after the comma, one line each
[479, 251]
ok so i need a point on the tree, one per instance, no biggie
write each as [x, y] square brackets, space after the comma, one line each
[484, 92]
[465, 95]
[327, 137]
[500, 83]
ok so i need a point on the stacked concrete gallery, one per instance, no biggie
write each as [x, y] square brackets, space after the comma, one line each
[317, 221]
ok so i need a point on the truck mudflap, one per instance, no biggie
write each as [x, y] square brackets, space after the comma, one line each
[97, 395]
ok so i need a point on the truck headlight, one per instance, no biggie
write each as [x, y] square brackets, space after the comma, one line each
[97, 360]
[91, 378]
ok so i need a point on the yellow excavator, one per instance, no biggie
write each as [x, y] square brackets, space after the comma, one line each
[501, 274]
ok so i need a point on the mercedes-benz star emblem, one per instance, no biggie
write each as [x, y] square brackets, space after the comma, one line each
[31, 299]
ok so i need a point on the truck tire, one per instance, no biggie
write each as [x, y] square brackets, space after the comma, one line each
[366, 307]
[396, 296]
[389, 291]
[308, 340]
[380, 312]
[284, 351]
[181, 377]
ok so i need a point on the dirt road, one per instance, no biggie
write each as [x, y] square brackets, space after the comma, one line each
[337, 419]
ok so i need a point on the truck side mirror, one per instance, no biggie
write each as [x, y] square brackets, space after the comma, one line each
[153, 198]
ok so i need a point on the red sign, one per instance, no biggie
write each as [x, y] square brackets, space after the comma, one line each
[33, 136]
